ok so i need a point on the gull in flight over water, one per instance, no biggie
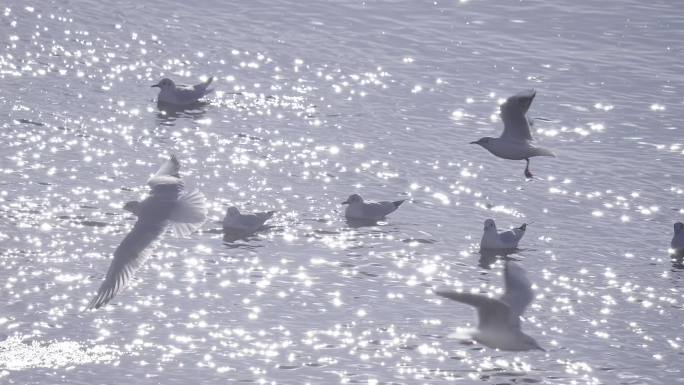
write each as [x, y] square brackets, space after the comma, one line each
[167, 206]
[493, 239]
[499, 319]
[515, 141]
[236, 223]
[357, 209]
[677, 243]
[180, 96]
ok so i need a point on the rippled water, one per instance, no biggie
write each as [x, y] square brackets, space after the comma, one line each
[316, 101]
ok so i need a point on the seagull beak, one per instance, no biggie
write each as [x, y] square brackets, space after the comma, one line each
[345, 202]
[475, 142]
[156, 85]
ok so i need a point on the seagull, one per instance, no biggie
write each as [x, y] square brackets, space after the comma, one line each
[499, 319]
[360, 210]
[234, 222]
[166, 206]
[677, 243]
[514, 142]
[493, 239]
[180, 96]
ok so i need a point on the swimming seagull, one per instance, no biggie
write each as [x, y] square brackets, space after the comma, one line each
[357, 209]
[493, 239]
[677, 243]
[515, 141]
[166, 206]
[235, 222]
[180, 96]
[499, 319]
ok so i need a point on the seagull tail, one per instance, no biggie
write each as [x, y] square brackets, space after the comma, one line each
[398, 203]
[538, 151]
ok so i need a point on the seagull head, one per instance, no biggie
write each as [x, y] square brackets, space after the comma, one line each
[678, 227]
[232, 211]
[484, 142]
[132, 206]
[489, 224]
[165, 83]
[354, 198]
[518, 103]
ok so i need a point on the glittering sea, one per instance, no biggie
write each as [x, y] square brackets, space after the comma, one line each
[316, 100]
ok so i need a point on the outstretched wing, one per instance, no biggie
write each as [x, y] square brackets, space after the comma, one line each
[189, 213]
[168, 174]
[135, 248]
[518, 289]
[492, 313]
[516, 124]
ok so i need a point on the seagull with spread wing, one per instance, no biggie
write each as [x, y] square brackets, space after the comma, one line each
[499, 319]
[515, 141]
[167, 206]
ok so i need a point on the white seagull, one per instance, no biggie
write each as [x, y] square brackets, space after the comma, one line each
[166, 206]
[515, 141]
[677, 243]
[357, 209]
[235, 222]
[499, 319]
[493, 239]
[181, 96]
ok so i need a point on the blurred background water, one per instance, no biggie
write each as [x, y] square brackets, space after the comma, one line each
[315, 101]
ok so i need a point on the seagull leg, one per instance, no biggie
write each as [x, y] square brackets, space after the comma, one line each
[528, 174]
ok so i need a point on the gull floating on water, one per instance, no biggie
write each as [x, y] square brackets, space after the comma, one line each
[515, 141]
[493, 239]
[499, 319]
[166, 206]
[235, 222]
[357, 209]
[180, 96]
[677, 243]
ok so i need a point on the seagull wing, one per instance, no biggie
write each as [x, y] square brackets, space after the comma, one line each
[516, 124]
[518, 289]
[263, 217]
[135, 248]
[512, 237]
[378, 210]
[168, 174]
[492, 313]
[203, 87]
[189, 213]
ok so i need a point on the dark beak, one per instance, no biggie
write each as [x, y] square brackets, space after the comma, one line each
[345, 202]
[475, 142]
[156, 85]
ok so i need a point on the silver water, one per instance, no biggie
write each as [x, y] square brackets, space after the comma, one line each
[315, 101]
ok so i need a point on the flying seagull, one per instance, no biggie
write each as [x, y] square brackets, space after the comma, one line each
[167, 206]
[515, 141]
[499, 319]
